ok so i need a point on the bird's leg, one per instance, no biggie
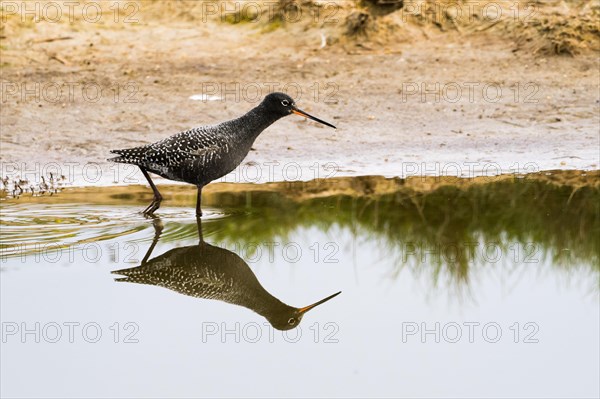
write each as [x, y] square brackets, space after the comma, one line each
[200, 236]
[158, 228]
[199, 202]
[157, 197]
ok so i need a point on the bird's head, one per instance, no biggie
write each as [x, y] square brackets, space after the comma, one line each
[289, 317]
[283, 105]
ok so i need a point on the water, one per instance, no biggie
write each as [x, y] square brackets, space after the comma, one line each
[472, 289]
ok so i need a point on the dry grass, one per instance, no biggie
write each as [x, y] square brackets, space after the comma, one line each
[566, 30]
[538, 26]
[542, 27]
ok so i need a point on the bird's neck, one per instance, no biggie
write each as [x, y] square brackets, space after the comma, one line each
[263, 303]
[251, 124]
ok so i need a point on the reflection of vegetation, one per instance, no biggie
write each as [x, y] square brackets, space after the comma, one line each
[545, 214]
[532, 217]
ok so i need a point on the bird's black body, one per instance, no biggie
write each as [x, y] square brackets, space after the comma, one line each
[209, 272]
[201, 155]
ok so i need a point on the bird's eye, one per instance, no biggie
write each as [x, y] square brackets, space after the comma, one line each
[291, 321]
[285, 103]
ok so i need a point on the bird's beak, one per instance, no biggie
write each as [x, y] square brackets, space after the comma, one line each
[309, 307]
[304, 114]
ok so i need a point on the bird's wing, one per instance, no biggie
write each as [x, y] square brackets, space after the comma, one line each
[199, 283]
[199, 152]
[183, 146]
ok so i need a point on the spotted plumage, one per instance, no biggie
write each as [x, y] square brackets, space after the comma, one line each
[203, 154]
[210, 272]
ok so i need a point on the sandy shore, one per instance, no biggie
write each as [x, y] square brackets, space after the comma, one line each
[432, 103]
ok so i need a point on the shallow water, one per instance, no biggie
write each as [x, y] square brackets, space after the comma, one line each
[472, 290]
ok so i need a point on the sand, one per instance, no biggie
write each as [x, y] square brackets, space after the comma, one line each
[419, 100]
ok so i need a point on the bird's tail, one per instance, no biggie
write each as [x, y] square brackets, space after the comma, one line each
[129, 155]
[126, 272]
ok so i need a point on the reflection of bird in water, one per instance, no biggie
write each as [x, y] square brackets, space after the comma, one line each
[206, 271]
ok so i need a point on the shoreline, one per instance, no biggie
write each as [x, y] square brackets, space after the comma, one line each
[358, 186]
[107, 174]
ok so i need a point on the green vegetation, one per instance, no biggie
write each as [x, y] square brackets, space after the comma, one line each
[538, 218]
[553, 217]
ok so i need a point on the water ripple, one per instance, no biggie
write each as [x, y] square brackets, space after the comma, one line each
[31, 227]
